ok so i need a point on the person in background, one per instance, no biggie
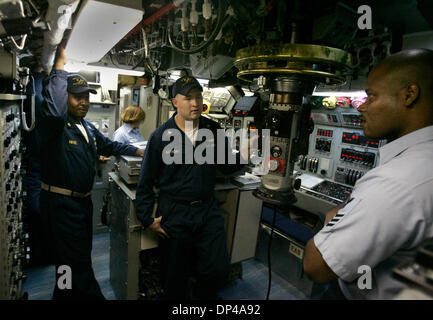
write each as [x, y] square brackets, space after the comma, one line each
[132, 117]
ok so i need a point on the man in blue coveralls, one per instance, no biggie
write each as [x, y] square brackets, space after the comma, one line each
[188, 219]
[70, 146]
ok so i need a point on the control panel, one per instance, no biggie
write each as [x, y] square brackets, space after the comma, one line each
[279, 153]
[339, 154]
[14, 248]
[244, 112]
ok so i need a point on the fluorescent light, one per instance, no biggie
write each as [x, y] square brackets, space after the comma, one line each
[174, 73]
[98, 28]
[74, 66]
[124, 91]
[115, 70]
[203, 82]
[360, 93]
[218, 90]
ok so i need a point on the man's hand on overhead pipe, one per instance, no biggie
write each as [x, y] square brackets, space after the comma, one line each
[60, 60]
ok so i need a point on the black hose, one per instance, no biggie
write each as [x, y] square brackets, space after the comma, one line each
[269, 254]
[205, 44]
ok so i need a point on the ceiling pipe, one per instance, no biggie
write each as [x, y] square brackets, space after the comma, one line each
[156, 16]
[59, 17]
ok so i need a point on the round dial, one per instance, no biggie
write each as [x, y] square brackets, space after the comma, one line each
[273, 165]
[276, 151]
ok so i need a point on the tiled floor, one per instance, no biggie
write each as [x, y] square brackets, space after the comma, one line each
[252, 286]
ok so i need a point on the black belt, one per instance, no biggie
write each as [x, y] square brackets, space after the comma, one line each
[192, 203]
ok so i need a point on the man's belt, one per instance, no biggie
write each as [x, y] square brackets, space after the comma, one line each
[65, 192]
[192, 203]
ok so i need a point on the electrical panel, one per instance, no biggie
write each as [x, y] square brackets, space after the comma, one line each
[14, 249]
[339, 154]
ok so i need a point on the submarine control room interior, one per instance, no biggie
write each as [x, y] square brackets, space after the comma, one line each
[87, 88]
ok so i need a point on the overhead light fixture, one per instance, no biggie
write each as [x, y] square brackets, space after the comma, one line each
[127, 72]
[99, 27]
[174, 77]
[203, 82]
[219, 90]
[73, 66]
[358, 93]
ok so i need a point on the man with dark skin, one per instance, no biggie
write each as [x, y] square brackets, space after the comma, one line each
[389, 214]
[70, 145]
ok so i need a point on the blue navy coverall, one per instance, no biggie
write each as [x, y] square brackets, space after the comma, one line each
[68, 161]
[197, 243]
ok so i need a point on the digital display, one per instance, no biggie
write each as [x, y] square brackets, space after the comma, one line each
[359, 139]
[325, 133]
[365, 158]
[353, 119]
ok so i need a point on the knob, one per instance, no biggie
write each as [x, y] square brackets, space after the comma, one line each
[276, 151]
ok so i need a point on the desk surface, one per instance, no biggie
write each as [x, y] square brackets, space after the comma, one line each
[130, 189]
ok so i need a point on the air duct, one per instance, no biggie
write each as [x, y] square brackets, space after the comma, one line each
[59, 18]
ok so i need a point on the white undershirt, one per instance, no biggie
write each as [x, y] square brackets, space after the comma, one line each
[83, 131]
[192, 135]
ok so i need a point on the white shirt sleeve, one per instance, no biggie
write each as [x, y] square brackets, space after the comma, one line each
[119, 135]
[380, 219]
[116, 135]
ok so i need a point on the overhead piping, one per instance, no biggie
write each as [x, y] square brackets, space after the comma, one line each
[59, 17]
[220, 20]
[156, 16]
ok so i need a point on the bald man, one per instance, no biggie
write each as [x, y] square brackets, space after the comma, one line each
[390, 212]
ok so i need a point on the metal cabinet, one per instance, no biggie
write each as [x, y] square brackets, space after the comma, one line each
[12, 238]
